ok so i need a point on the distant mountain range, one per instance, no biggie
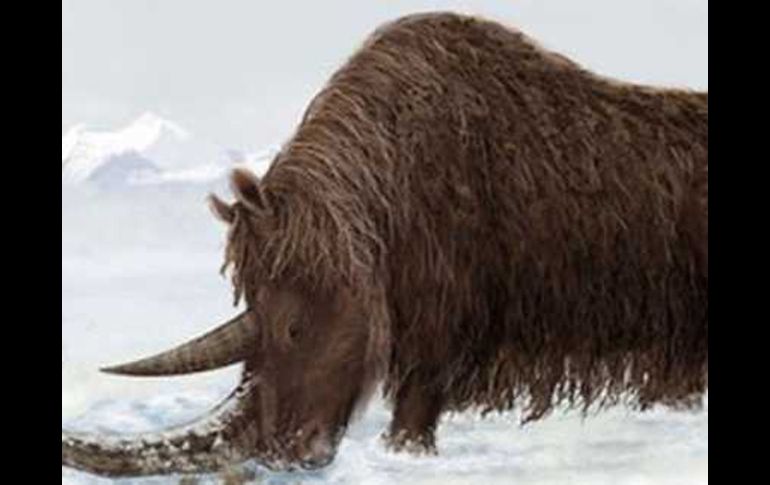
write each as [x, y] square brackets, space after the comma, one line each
[149, 151]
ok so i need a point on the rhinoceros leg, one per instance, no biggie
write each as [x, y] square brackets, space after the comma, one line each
[416, 415]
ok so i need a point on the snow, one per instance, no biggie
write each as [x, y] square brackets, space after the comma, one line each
[614, 448]
[85, 152]
[140, 273]
[150, 150]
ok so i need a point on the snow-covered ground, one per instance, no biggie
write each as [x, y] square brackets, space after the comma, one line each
[616, 448]
[140, 261]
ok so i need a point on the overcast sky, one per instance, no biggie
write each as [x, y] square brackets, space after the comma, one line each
[240, 72]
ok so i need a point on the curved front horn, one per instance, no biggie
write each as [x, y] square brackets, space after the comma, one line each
[225, 438]
[224, 346]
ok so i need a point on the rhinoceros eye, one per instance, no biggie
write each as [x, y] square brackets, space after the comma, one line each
[294, 331]
[294, 328]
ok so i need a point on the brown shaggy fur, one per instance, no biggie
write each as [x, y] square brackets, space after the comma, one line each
[539, 233]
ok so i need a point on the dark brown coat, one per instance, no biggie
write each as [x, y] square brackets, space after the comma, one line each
[540, 233]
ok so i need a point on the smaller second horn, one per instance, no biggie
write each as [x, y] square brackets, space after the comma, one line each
[226, 345]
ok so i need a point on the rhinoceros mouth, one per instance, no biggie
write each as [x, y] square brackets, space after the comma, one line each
[302, 451]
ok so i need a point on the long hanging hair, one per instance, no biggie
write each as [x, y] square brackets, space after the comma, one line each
[537, 234]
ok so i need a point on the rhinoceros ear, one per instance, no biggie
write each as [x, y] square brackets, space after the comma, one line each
[248, 191]
[221, 209]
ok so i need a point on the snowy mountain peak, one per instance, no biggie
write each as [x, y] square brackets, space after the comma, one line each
[148, 151]
[88, 153]
[149, 128]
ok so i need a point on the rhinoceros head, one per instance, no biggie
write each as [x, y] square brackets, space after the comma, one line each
[304, 350]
